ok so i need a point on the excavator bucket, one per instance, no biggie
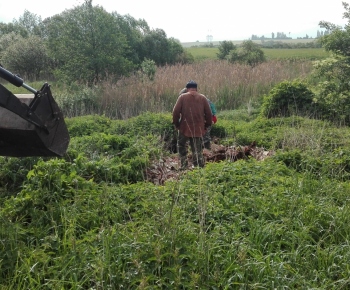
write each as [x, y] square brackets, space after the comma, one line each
[30, 124]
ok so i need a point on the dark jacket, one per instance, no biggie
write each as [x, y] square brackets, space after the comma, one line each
[192, 114]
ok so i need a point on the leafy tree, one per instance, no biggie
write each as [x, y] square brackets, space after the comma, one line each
[225, 47]
[29, 22]
[185, 57]
[145, 43]
[7, 40]
[52, 32]
[6, 28]
[176, 52]
[248, 53]
[157, 47]
[134, 31]
[27, 57]
[334, 89]
[86, 44]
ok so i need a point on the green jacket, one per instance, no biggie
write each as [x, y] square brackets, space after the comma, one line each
[212, 107]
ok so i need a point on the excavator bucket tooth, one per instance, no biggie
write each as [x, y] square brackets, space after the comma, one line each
[31, 125]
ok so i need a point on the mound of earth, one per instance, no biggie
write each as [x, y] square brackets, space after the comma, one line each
[168, 167]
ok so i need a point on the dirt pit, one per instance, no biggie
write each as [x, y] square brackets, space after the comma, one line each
[168, 168]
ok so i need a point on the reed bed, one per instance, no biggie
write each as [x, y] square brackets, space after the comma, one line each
[229, 86]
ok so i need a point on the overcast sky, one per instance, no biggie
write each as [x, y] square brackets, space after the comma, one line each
[194, 20]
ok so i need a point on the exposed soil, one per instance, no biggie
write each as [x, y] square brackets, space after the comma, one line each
[168, 167]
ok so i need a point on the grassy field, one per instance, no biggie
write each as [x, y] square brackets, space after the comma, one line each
[296, 53]
[201, 53]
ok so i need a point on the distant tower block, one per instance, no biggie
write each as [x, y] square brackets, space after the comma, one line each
[209, 38]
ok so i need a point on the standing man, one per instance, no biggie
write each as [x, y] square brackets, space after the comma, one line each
[191, 117]
[207, 137]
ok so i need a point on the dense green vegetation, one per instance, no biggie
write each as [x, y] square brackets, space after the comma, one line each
[90, 220]
[94, 220]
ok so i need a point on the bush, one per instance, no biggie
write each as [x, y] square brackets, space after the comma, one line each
[288, 98]
[159, 124]
[87, 125]
[292, 159]
[218, 131]
[224, 49]
[98, 144]
[148, 68]
[248, 53]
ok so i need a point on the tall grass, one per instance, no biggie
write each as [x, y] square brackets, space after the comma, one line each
[229, 86]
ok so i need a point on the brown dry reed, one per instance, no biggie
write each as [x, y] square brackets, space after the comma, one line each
[229, 86]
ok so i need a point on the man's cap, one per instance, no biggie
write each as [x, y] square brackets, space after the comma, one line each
[191, 84]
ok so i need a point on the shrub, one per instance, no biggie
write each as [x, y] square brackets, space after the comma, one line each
[218, 131]
[148, 68]
[333, 90]
[288, 98]
[292, 159]
[159, 124]
[224, 49]
[86, 125]
[100, 144]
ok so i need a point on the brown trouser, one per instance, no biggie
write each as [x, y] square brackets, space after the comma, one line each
[196, 148]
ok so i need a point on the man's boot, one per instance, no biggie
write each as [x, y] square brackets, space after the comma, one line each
[184, 162]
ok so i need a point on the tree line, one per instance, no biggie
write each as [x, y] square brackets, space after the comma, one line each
[85, 44]
[282, 35]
